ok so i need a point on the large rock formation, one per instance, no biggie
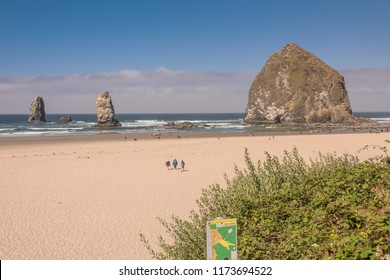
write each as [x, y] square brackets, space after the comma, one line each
[37, 110]
[105, 111]
[295, 86]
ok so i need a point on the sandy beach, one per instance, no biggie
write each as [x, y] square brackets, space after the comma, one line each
[89, 197]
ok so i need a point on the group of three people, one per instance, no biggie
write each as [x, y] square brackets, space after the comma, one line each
[175, 163]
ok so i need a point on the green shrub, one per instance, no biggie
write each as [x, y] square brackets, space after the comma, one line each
[334, 207]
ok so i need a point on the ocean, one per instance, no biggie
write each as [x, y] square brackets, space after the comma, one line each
[17, 125]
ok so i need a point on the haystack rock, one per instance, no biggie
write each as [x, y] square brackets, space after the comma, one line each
[37, 110]
[296, 86]
[105, 111]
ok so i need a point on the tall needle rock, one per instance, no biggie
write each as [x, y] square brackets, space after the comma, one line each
[37, 110]
[105, 111]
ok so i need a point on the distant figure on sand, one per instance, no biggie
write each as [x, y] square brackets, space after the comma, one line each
[182, 165]
[174, 163]
[168, 164]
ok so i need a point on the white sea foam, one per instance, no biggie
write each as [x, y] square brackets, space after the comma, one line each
[218, 123]
[37, 132]
[142, 123]
[55, 128]
[232, 126]
[81, 123]
[381, 120]
[28, 133]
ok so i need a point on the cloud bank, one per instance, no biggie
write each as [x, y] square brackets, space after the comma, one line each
[166, 91]
[159, 91]
[368, 89]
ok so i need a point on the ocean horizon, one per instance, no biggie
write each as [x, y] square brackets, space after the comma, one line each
[17, 124]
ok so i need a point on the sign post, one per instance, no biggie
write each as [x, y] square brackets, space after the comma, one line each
[222, 239]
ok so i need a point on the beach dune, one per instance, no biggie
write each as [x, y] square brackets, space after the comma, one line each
[89, 197]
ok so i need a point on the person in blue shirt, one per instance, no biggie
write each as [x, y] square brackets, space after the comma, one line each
[174, 163]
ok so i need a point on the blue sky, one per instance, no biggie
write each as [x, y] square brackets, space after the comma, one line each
[45, 40]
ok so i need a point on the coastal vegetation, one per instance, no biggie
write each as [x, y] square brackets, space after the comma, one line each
[332, 207]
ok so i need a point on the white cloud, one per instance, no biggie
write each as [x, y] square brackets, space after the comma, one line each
[161, 90]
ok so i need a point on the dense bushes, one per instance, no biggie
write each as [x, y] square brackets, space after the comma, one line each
[335, 207]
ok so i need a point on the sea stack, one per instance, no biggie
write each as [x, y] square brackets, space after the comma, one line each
[65, 120]
[37, 111]
[295, 86]
[105, 111]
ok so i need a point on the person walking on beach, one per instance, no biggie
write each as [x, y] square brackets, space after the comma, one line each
[168, 164]
[182, 165]
[174, 163]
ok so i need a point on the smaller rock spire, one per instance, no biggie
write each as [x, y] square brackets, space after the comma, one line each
[37, 110]
[105, 111]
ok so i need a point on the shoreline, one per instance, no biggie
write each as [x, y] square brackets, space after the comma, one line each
[121, 136]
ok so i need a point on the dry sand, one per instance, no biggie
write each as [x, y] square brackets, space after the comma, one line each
[90, 197]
